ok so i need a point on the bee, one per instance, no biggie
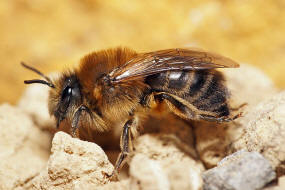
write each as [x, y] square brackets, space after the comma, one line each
[122, 86]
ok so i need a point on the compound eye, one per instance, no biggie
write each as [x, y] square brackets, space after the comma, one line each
[65, 99]
[66, 93]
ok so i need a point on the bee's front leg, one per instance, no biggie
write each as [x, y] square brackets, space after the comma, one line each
[126, 146]
[76, 117]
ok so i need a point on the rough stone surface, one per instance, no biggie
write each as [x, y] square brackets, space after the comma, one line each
[147, 174]
[213, 139]
[73, 164]
[159, 164]
[265, 132]
[24, 149]
[119, 185]
[241, 170]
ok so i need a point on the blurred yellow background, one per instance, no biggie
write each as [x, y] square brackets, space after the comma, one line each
[53, 35]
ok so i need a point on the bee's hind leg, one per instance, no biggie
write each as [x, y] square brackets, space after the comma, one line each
[225, 118]
[220, 119]
[126, 146]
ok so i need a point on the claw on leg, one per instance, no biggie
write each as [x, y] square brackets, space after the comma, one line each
[220, 119]
[119, 163]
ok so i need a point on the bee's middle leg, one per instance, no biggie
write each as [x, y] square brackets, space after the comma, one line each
[126, 146]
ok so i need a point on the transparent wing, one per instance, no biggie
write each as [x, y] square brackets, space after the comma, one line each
[168, 60]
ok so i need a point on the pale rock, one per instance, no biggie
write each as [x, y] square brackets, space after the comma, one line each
[74, 164]
[147, 174]
[24, 149]
[265, 133]
[159, 163]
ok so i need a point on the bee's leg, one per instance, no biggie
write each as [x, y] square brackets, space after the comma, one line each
[186, 110]
[126, 146]
[75, 120]
[177, 105]
[220, 119]
[146, 98]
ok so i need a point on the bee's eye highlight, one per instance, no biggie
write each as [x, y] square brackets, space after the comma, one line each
[66, 93]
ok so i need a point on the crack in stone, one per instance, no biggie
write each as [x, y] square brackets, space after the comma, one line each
[21, 184]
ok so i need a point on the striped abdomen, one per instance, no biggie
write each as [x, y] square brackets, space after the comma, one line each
[204, 89]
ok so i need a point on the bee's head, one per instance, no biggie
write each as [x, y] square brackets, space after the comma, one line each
[64, 95]
[65, 98]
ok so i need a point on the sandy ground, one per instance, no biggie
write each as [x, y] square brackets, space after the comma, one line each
[53, 35]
